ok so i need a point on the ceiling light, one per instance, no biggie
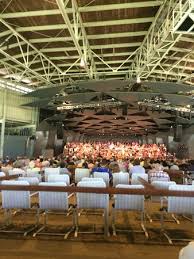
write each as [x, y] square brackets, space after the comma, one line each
[138, 80]
[82, 63]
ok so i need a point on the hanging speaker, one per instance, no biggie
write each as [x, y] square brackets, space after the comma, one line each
[178, 133]
[124, 109]
[60, 131]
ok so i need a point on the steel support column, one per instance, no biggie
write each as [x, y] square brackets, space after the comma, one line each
[4, 109]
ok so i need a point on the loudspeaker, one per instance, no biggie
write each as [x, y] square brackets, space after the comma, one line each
[124, 109]
[60, 131]
[33, 137]
[178, 133]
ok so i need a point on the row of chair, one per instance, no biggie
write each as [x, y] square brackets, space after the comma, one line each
[59, 201]
[118, 178]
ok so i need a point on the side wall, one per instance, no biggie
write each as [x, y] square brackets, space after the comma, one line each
[14, 111]
[15, 115]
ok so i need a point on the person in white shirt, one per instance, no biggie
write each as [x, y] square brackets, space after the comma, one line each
[137, 168]
[174, 167]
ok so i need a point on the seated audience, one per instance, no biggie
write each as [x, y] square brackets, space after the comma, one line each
[63, 169]
[137, 168]
[157, 174]
[102, 168]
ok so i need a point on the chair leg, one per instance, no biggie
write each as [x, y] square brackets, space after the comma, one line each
[163, 230]
[7, 217]
[113, 222]
[149, 217]
[76, 223]
[190, 219]
[175, 219]
[106, 223]
[45, 222]
[143, 226]
[73, 227]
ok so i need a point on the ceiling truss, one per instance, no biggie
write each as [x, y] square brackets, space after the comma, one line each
[157, 55]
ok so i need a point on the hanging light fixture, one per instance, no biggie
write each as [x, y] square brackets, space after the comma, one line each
[138, 80]
[82, 62]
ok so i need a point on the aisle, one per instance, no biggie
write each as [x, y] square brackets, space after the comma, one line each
[19, 249]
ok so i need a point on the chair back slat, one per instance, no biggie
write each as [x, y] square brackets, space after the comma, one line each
[181, 205]
[81, 173]
[15, 199]
[129, 202]
[104, 176]
[59, 178]
[53, 200]
[135, 178]
[120, 178]
[92, 200]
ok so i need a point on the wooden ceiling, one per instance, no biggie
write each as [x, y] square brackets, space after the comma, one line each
[42, 42]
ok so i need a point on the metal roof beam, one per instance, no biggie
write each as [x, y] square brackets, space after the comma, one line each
[110, 46]
[92, 8]
[86, 24]
[101, 55]
[63, 59]
[22, 65]
[97, 63]
[25, 63]
[91, 37]
[160, 37]
[122, 45]
[77, 33]
[50, 50]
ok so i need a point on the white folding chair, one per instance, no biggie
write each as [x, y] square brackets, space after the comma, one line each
[61, 178]
[104, 176]
[155, 178]
[135, 178]
[33, 173]
[94, 201]
[15, 200]
[178, 205]
[30, 180]
[53, 201]
[49, 171]
[2, 174]
[81, 173]
[120, 178]
[64, 178]
[16, 171]
[91, 179]
[162, 185]
[129, 202]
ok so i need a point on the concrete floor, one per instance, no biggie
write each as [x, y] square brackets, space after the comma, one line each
[19, 249]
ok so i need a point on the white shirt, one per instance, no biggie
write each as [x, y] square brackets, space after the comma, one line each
[174, 167]
[137, 169]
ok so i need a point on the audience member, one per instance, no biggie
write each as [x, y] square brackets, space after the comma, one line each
[137, 168]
